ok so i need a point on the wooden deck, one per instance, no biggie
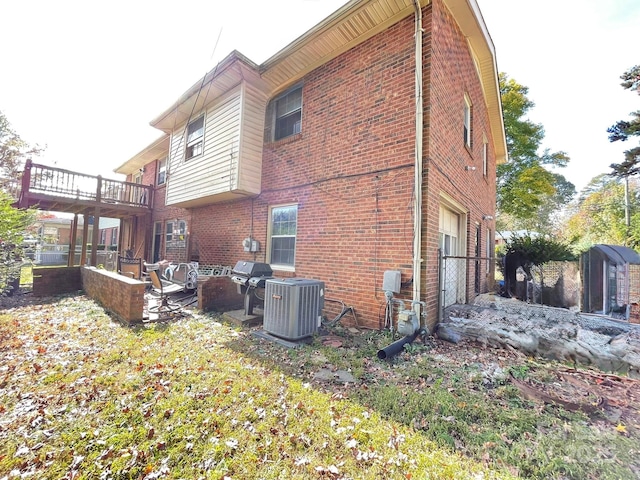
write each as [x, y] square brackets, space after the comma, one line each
[58, 190]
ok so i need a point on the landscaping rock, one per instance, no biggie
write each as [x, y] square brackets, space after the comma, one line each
[546, 331]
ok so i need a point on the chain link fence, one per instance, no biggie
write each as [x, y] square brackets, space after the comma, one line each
[461, 279]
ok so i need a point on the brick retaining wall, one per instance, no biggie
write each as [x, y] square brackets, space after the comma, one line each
[219, 294]
[49, 281]
[118, 294]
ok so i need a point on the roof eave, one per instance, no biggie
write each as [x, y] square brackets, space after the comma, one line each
[155, 150]
[229, 72]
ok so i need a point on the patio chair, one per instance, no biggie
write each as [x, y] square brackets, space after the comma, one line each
[130, 267]
[163, 290]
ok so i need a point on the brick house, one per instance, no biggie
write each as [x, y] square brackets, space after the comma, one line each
[337, 157]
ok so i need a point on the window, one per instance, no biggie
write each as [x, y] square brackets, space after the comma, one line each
[288, 114]
[114, 236]
[283, 225]
[103, 237]
[176, 231]
[195, 138]
[485, 152]
[157, 242]
[490, 249]
[162, 171]
[169, 231]
[467, 121]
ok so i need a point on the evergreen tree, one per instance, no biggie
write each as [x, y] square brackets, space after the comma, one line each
[624, 129]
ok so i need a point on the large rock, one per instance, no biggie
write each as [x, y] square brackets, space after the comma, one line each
[545, 331]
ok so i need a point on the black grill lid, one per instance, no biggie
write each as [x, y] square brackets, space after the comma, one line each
[252, 269]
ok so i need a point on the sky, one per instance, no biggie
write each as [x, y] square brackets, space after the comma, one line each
[85, 78]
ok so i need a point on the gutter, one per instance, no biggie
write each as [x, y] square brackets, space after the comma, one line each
[417, 211]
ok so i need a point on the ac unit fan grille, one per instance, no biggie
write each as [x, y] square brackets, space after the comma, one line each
[293, 307]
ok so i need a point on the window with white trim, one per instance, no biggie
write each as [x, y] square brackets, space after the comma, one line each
[170, 228]
[485, 153]
[490, 249]
[288, 114]
[467, 121]
[283, 226]
[195, 138]
[114, 236]
[162, 171]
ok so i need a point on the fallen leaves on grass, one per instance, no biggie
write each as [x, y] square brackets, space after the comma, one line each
[86, 397]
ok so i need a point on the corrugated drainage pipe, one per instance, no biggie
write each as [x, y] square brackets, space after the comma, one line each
[397, 346]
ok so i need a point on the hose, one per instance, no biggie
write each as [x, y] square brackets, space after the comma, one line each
[397, 346]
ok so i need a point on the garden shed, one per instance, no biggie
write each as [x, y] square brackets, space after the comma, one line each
[611, 280]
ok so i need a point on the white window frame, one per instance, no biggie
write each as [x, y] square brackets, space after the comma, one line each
[194, 139]
[114, 236]
[468, 115]
[291, 112]
[270, 238]
[169, 229]
[490, 249]
[485, 155]
[162, 171]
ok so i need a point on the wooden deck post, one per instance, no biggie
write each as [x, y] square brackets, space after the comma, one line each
[72, 242]
[85, 233]
[95, 238]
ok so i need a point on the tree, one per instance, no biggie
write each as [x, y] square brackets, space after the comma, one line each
[598, 215]
[528, 193]
[527, 250]
[624, 129]
[13, 222]
[14, 151]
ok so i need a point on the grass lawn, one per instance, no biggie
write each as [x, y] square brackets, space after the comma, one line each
[82, 396]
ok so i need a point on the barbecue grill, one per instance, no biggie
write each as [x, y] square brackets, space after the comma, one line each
[249, 276]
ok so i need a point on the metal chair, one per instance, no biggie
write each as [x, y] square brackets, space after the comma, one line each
[163, 289]
[130, 267]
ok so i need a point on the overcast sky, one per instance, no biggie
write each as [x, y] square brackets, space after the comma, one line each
[85, 78]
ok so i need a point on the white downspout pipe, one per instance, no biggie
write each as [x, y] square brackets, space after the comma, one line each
[417, 219]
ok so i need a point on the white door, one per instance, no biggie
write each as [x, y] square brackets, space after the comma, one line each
[453, 269]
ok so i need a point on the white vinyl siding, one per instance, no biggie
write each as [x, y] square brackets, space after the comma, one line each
[231, 162]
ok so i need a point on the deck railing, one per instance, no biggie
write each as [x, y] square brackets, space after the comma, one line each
[44, 180]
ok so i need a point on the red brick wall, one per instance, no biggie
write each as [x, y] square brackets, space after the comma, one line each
[144, 228]
[122, 296]
[55, 280]
[218, 293]
[350, 170]
[451, 75]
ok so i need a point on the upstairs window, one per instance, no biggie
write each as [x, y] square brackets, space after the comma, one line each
[288, 114]
[162, 171]
[485, 154]
[195, 138]
[467, 122]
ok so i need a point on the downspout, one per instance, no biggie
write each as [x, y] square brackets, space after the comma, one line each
[417, 220]
[416, 304]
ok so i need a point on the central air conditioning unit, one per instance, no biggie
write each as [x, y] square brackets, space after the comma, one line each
[293, 307]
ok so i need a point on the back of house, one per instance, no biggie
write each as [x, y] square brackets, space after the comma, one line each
[367, 145]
